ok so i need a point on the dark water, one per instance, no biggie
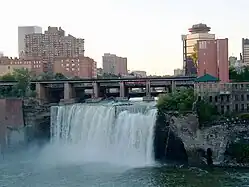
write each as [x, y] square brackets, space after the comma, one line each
[33, 168]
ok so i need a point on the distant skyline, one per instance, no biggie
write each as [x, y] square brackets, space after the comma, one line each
[147, 32]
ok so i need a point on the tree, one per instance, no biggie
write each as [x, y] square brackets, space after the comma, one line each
[23, 78]
[8, 77]
[59, 76]
[242, 76]
[194, 55]
[205, 111]
[22, 88]
[181, 101]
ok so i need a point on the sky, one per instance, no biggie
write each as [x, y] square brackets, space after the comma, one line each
[147, 32]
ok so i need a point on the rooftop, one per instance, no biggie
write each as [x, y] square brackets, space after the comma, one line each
[206, 78]
[199, 28]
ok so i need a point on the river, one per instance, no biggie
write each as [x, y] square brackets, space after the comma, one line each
[38, 168]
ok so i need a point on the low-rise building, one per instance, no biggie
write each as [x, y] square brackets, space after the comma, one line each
[83, 67]
[139, 73]
[227, 97]
[7, 65]
[178, 72]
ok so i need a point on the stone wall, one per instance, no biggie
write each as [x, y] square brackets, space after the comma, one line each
[11, 122]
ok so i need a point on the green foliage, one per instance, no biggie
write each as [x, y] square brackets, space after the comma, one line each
[205, 111]
[59, 76]
[194, 55]
[242, 76]
[181, 101]
[239, 151]
[21, 89]
[244, 116]
[8, 77]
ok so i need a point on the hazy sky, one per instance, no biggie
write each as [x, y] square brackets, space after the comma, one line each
[147, 32]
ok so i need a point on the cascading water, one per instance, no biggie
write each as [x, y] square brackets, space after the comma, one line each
[104, 133]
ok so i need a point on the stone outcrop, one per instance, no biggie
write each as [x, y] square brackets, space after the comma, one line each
[168, 147]
[37, 120]
[217, 136]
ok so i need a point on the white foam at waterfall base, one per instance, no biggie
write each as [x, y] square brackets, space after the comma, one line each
[91, 133]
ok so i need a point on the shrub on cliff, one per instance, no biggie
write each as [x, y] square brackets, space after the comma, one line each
[239, 151]
[205, 111]
[181, 101]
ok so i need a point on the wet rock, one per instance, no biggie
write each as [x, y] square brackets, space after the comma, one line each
[37, 120]
[167, 146]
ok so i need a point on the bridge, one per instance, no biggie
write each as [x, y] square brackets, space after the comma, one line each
[51, 90]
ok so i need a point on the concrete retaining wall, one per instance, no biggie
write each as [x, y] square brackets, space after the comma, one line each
[11, 122]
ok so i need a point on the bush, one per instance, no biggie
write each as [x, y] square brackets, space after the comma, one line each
[240, 152]
[181, 101]
[244, 116]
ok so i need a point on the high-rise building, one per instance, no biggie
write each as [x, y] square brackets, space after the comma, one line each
[115, 65]
[245, 51]
[53, 43]
[1, 54]
[197, 32]
[22, 32]
[213, 58]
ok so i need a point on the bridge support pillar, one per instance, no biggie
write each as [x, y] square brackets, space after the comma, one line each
[173, 86]
[69, 91]
[148, 90]
[41, 93]
[96, 89]
[122, 89]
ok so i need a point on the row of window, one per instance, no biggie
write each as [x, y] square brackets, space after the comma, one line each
[227, 98]
[25, 62]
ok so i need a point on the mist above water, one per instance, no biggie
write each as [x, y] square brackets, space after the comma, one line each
[84, 133]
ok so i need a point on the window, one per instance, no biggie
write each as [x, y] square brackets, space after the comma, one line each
[242, 97]
[202, 44]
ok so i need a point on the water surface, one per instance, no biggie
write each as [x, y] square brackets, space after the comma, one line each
[36, 168]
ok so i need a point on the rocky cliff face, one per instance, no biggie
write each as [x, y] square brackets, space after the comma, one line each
[168, 147]
[37, 120]
[219, 137]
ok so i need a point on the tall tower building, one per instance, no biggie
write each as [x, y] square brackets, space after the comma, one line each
[22, 32]
[245, 51]
[197, 32]
[213, 58]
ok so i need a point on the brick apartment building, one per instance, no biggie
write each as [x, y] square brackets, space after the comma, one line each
[83, 67]
[213, 58]
[7, 65]
[52, 44]
[113, 64]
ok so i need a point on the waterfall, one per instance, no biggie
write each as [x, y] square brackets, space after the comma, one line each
[96, 133]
